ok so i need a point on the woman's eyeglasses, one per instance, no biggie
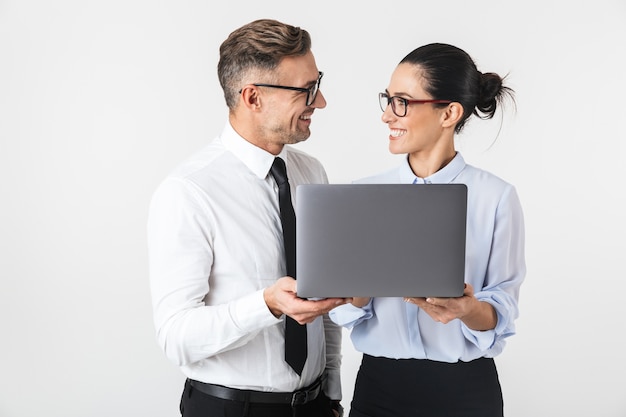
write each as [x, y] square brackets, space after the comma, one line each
[399, 105]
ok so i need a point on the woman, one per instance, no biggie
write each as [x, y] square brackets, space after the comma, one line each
[434, 356]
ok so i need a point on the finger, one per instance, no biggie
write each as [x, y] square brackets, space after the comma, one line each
[307, 310]
[409, 300]
[434, 301]
[469, 290]
[323, 304]
[414, 300]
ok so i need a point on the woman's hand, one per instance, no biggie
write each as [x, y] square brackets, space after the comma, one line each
[476, 315]
[360, 301]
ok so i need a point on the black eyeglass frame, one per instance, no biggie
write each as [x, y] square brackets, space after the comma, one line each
[390, 100]
[311, 92]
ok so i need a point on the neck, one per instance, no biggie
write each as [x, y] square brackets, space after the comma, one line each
[424, 166]
[251, 134]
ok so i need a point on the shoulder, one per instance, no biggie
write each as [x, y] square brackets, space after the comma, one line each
[481, 177]
[305, 166]
[199, 171]
[299, 157]
[487, 188]
[203, 159]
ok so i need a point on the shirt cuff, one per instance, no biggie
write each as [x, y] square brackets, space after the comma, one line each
[348, 315]
[485, 339]
[250, 312]
[332, 384]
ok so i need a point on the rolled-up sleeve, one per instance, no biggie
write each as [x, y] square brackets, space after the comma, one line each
[505, 272]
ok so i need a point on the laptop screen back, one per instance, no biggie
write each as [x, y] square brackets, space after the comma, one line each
[391, 240]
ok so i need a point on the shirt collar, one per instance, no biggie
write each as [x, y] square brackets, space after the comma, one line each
[258, 160]
[445, 175]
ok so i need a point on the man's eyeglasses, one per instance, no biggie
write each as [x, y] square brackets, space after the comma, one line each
[399, 105]
[311, 92]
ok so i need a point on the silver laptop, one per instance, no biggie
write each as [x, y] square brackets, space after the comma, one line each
[383, 240]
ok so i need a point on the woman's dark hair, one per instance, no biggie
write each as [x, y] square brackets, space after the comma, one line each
[451, 74]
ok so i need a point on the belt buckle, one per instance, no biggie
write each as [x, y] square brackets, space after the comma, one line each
[299, 398]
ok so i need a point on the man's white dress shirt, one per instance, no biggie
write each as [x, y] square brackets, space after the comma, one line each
[215, 242]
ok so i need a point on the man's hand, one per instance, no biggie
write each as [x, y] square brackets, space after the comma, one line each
[281, 298]
[337, 408]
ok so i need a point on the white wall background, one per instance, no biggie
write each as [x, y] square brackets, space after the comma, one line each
[99, 100]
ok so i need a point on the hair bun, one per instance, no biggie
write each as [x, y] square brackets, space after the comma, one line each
[490, 90]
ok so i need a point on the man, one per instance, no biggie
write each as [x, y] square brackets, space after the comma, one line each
[220, 292]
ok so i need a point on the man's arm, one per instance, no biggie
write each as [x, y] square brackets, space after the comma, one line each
[181, 256]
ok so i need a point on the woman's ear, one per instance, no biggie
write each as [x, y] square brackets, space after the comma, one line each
[452, 115]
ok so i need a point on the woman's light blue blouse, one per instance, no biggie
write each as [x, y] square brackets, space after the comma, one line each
[494, 266]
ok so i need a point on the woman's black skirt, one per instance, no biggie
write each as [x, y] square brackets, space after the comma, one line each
[424, 388]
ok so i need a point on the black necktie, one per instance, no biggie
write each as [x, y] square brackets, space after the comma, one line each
[295, 334]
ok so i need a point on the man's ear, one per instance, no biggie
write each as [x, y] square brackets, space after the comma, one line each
[452, 115]
[250, 97]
